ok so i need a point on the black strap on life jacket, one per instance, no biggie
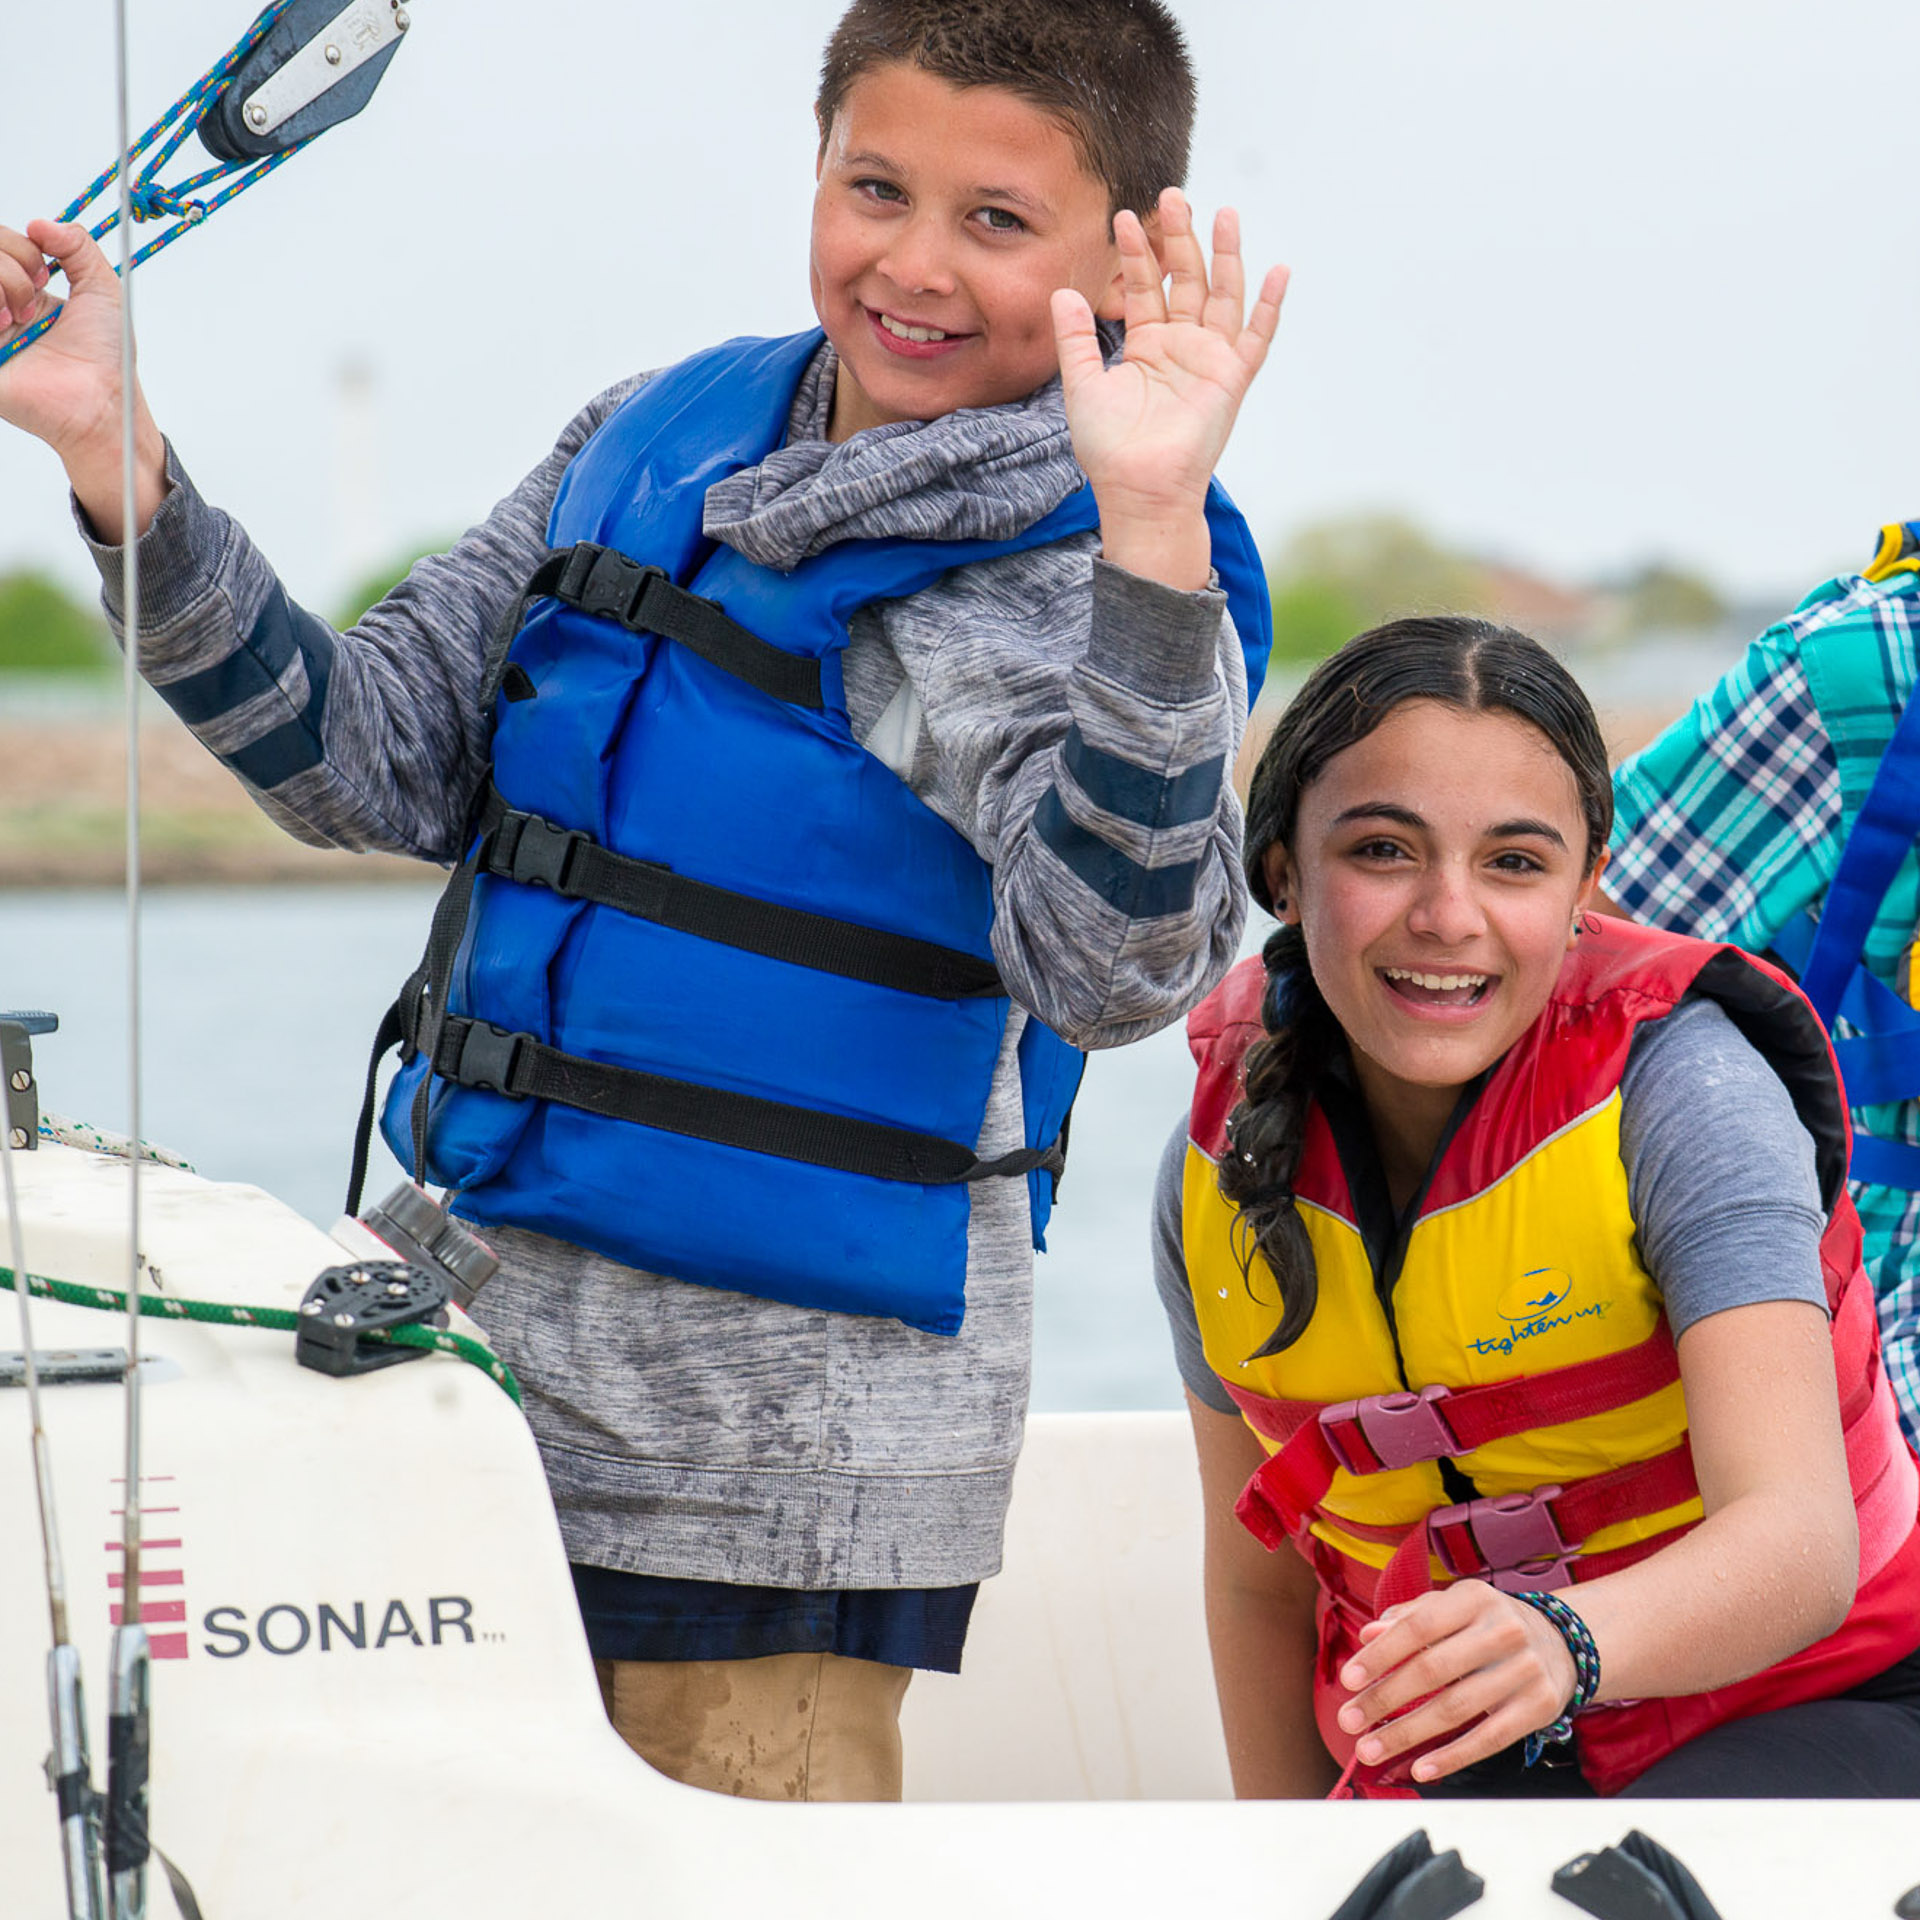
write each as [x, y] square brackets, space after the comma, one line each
[474, 1053]
[603, 582]
[508, 843]
[532, 850]
[412, 1021]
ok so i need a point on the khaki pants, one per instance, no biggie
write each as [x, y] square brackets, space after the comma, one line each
[792, 1726]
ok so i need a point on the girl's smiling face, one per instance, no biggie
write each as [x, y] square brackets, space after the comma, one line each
[1437, 869]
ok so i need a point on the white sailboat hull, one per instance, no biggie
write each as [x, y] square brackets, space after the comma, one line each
[374, 1696]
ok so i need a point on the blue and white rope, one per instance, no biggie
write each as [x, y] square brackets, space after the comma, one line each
[152, 200]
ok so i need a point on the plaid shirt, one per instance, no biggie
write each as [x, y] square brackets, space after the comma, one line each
[1733, 821]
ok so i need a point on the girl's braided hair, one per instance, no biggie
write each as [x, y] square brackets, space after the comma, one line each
[1461, 662]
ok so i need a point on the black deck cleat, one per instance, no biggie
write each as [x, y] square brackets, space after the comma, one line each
[1637, 1880]
[1413, 1883]
[346, 1304]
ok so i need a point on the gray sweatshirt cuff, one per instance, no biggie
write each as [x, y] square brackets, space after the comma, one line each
[179, 554]
[1155, 641]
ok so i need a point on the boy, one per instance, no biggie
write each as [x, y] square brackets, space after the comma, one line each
[780, 1486]
[1732, 826]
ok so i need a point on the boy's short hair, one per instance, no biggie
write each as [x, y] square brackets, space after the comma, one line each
[1114, 73]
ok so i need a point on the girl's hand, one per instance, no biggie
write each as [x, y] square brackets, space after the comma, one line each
[1466, 1657]
[1150, 430]
[65, 388]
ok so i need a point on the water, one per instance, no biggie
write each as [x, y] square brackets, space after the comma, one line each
[259, 1006]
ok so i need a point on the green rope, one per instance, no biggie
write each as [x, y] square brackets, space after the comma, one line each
[163, 1306]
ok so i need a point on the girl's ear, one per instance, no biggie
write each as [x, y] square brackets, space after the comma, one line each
[1584, 899]
[1277, 870]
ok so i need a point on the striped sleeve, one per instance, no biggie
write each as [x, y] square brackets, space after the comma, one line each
[1108, 811]
[371, 739]
[1127, 813]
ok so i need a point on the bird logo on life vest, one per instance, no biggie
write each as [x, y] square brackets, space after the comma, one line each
[1534, 1295]
[1536, 1304]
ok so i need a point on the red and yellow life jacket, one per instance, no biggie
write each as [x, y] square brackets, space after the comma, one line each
[1512, 1331]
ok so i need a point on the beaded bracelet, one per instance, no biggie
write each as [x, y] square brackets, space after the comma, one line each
[1586, 1669]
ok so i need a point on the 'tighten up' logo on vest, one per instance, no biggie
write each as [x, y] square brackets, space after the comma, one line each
[1536, 1304]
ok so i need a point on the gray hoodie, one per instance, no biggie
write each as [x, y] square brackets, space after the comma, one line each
[1075, 723]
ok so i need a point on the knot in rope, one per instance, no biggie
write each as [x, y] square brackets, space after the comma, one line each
[152, 201]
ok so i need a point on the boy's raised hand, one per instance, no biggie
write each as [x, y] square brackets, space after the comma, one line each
[65, 388]
[1150, 429]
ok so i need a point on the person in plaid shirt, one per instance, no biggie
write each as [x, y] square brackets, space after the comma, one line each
[1732, 823]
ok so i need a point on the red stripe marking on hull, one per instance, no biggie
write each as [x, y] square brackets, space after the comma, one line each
[153, 1611]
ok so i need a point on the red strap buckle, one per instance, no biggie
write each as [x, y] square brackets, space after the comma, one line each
[1511, 1540]
[1390, 1430]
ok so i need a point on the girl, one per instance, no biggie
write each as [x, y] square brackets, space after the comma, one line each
[1517, 1292]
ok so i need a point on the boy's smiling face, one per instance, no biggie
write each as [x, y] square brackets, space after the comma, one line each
[944, 220]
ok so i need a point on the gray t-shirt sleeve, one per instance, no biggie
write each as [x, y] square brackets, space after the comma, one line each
[1170, 1276]
[1720, 1172]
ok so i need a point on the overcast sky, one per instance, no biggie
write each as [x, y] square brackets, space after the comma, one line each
[1575, 286]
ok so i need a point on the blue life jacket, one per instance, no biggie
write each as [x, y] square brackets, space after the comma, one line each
[1880, 1061]
[713, 992]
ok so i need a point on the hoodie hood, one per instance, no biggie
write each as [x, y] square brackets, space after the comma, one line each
[983, 473]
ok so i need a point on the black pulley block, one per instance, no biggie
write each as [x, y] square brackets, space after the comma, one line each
[346, 1304]
[317, 65]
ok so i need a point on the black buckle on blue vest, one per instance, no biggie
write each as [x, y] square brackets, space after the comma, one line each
[476, 1053]
[539, 854]
[603, 582]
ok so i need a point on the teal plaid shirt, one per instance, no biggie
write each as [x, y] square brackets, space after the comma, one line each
[1733, 821]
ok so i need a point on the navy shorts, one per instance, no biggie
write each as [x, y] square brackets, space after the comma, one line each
[637, 1616]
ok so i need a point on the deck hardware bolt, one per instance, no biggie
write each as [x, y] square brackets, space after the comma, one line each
[22, 1080]
[333, 56]
[311, 1308]
[402, 19]
[17, 1139]
[257, 117]
[343, 1319]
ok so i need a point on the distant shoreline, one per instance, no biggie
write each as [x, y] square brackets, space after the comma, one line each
[63, 816]
[63, 804]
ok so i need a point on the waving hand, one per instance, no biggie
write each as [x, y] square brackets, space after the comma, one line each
[1150, 429]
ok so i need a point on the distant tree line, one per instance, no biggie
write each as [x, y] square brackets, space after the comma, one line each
[1329, 582]
[46, 629]
[1338, 577]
